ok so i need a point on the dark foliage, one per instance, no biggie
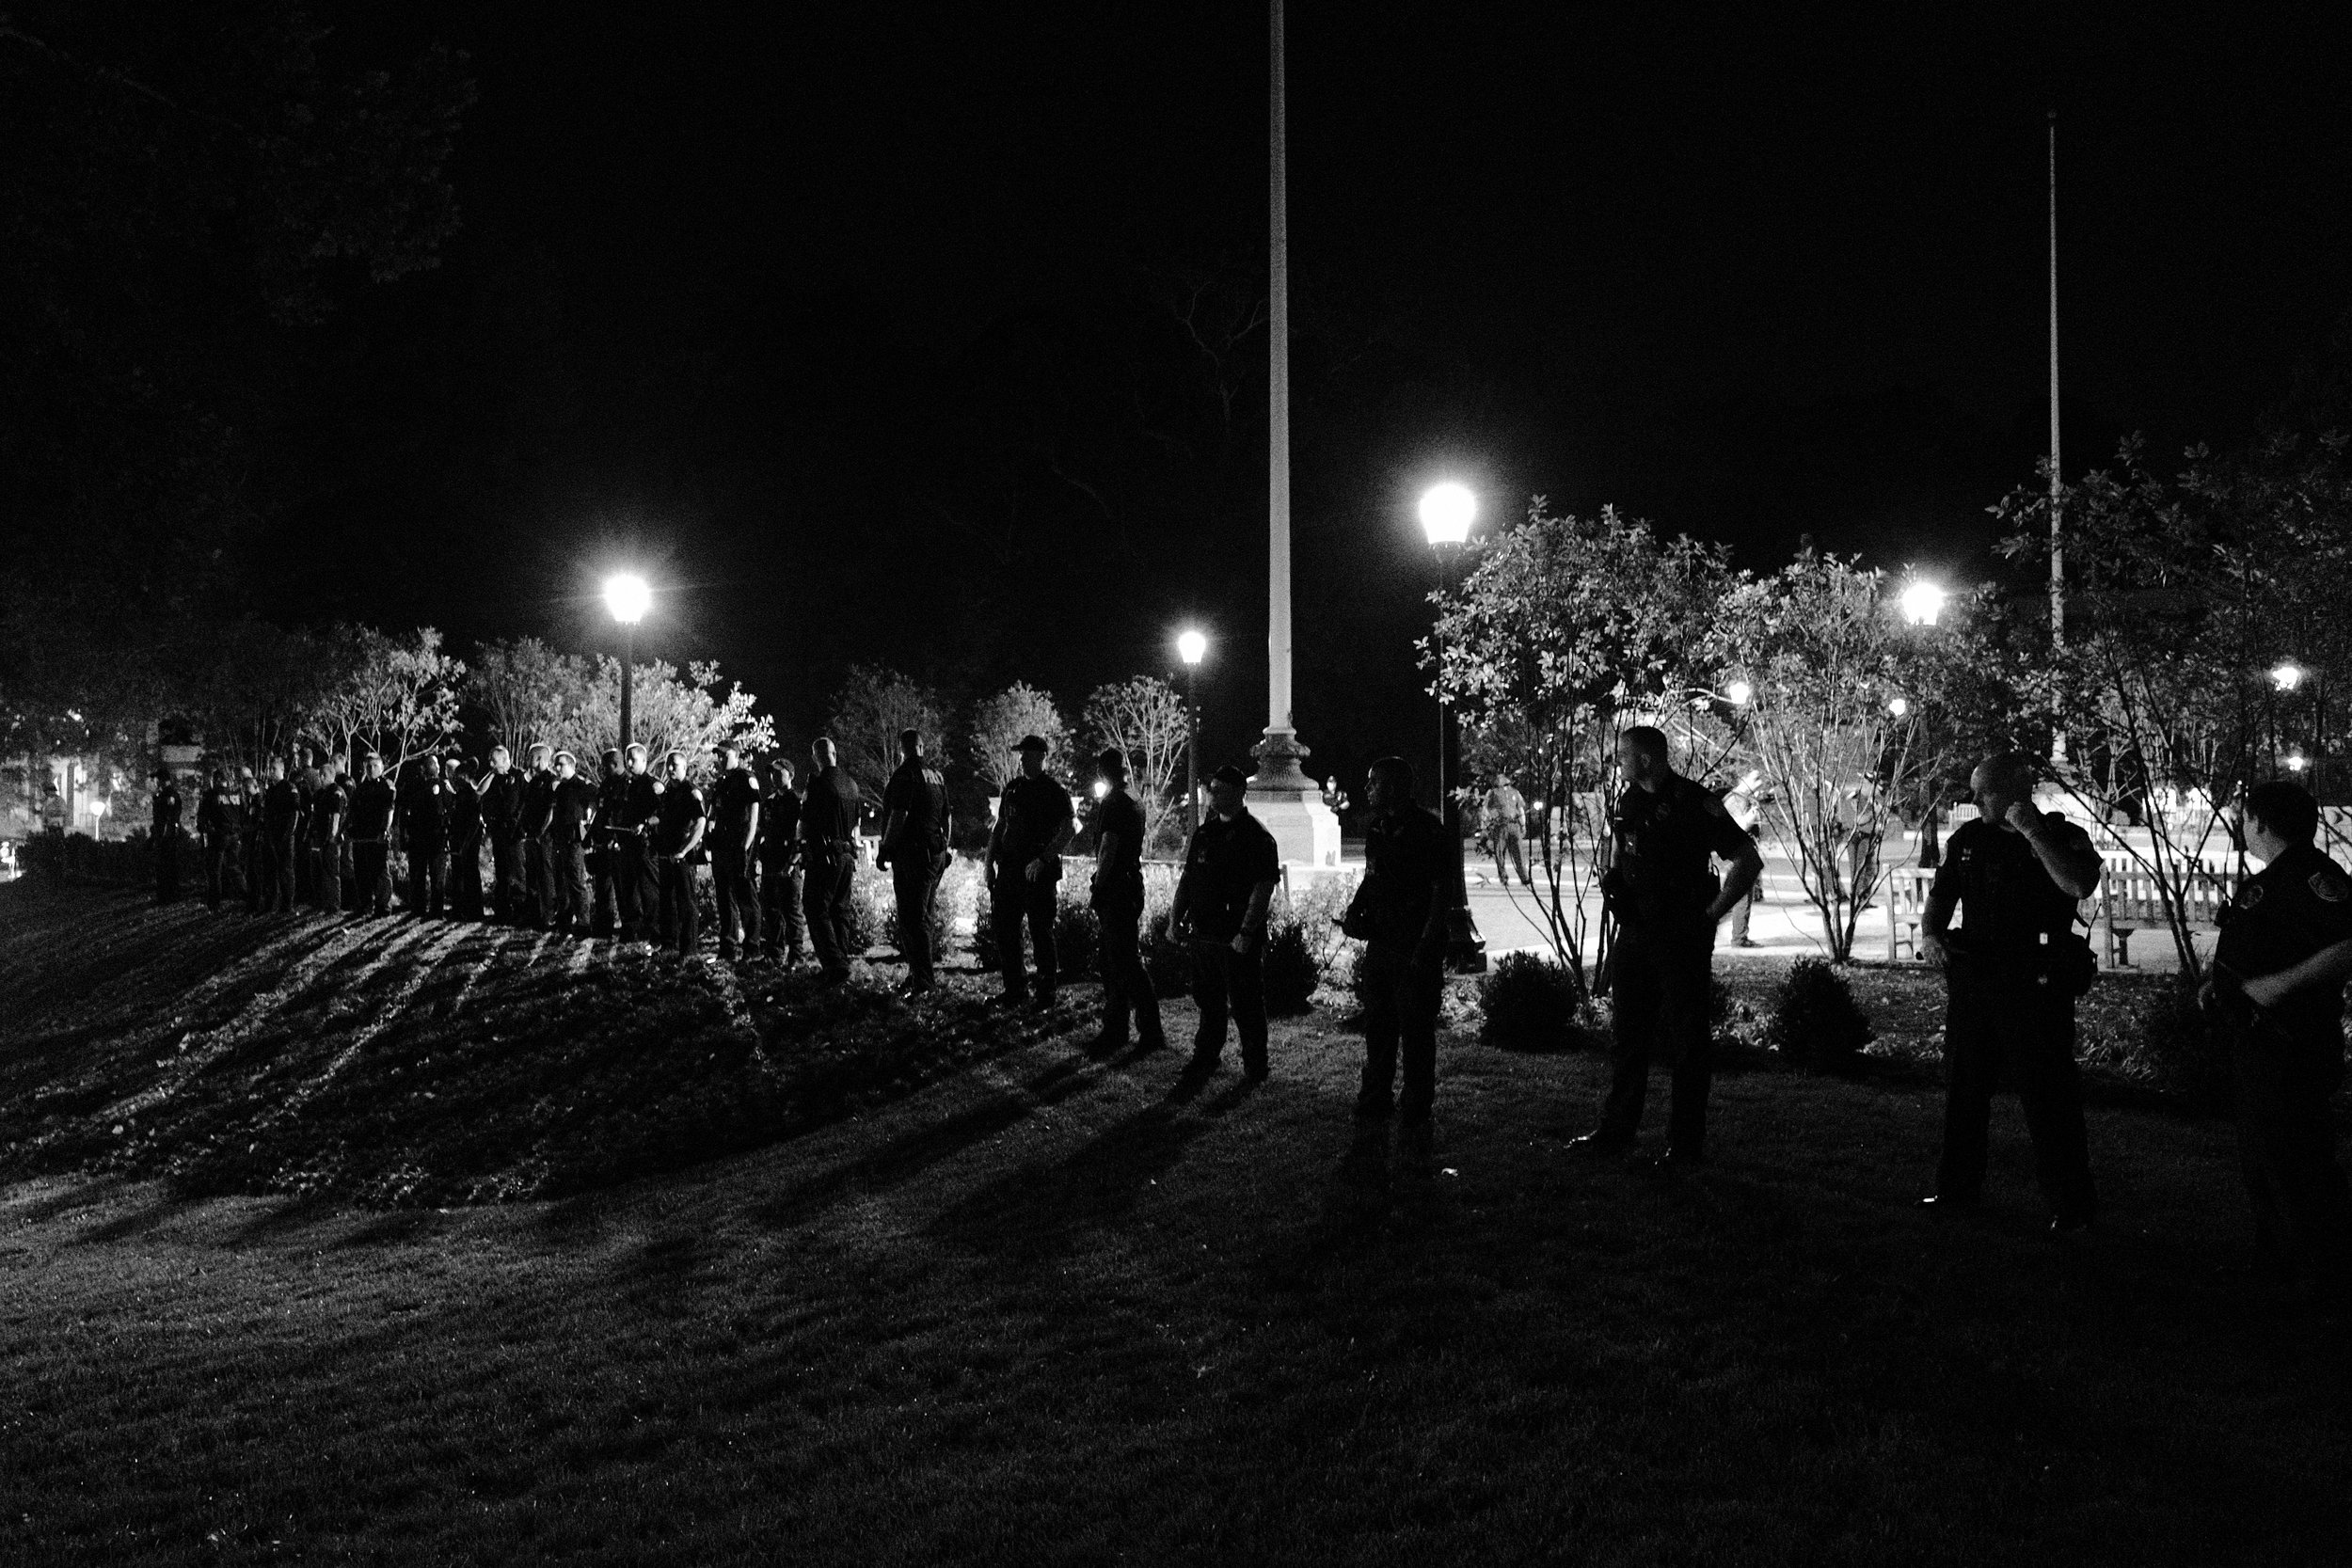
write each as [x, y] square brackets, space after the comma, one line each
[1293, 969]
[1815, 1021]
[1528, 1003]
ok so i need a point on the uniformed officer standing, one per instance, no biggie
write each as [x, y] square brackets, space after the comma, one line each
[679, 823]
[425, 837]
[253, 855]
[330, 805]
[1399, 912]
[914, 835]
[502, 823]
[1663, 827]
[571, 816]
[604, 855]
[281, 817]
[372, 808]
[782, 922]
[2012, 972]
[2278, 988]
[1506, 825]
[1035, 823]
[220, 828]
[638, 889]
[734, 830]
[1231, 866]
[53, 834]
[1117, 897]
[535, 812]
[165, 834]
[465, 844]
[829, 862]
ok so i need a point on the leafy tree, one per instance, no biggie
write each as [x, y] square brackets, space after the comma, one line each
[999, 722]
[873, 705]
[1145, 719]
[672, 709]
[1564, 632]
[528, 691]
[396, 697]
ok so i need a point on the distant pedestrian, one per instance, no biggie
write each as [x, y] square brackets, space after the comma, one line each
[679, 824]
[734, 831]
[1400, 912]
[424, 839]
[502, 825]
[465, 844]
[2278, 987]
[783, 921]
[373, 806]
[1231, 866]
[535, 817]
[1506, 826]
[165, 835]
[829, 818]
[281, 820]
[1117, 897]
[2012, 972]
[1035, 823]
[914, 835]
[1744, 802]
[1667, 903]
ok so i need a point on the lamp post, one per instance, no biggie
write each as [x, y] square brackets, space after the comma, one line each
[1191, 647]
[628, 598]
[1447, 512]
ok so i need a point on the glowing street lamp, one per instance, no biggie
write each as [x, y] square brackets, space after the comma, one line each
[1921, 602]
[2287, 676]
[1447, 512]
[2297, 762]
[628, 598]
[1102, 787]
[1898, 706]
[1192, 647]
[1740, 694]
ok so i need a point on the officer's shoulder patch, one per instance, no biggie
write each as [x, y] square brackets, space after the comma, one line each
[2251, 895]
[2327, 886]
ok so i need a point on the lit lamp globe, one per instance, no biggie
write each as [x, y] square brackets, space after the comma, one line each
[1740, 694]
[1447, 512]
[1898, 706]
[1102, 787]
[2287, 676]
[628, 598]
[1922, 604]
[1191, 647]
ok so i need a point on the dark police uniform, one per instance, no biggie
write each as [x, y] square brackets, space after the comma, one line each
[1223, 865]
[1030, 815]
[536, 813]
[682, 807]
[424, 834]
[465, 849]
[254, 863]
[281, 818]
[734, 800]
[829, 862]
[604, 859]
[917, 796]
[1658, 887]
[502, 822]
[639, 889]
[571, 807]
[2288, 1062]
[1117, 897]
[329, 805]
[373, 807]
[783, 921]
[1400, 913]
[220, 824]
[165, 834]
[2010, 1012]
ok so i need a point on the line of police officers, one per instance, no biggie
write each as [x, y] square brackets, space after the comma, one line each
[2015, 964]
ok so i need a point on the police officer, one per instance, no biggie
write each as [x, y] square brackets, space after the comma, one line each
[220, 828]
[829, 862]
[782, 922]
[1399, 912]
[465, 844]
[638, 889]
[1231, 866]
[533, 815]
[1507, 826]
[1663, 827]
[679, 822]
[915, 831]
[372, 808]
[53, 834]
[1035, 823]
[734, 830]
[502, 823]
[424, 836]
[2278, 990]
[2012, 972]
[252, 855]
[604, 855]
[330, 805]
[164, 833]
[1116, 897]
[571, 816]
[282, 819]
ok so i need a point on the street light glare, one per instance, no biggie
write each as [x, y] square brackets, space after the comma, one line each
[2287, 676]
[1898, 706]
[1191, 647]
[628, 598]
[1740, 694]
[1102, 787]
[1922, 603]
[1447, 512]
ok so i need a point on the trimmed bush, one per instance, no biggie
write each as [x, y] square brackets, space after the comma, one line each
[1527, 1003]
[1815, 1021]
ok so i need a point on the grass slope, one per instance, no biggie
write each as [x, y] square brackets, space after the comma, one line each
[1056, 1310]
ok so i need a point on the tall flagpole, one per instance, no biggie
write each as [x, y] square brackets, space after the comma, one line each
[2058, 531]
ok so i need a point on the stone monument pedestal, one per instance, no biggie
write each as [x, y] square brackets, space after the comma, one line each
[1290, 804]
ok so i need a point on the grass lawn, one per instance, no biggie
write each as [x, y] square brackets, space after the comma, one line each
[1020, 1305]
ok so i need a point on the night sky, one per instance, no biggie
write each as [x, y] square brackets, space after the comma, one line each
[854, 325]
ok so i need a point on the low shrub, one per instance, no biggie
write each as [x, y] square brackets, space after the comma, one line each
[1815, 1021]
[1528, 1002]
[2153, 1033]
